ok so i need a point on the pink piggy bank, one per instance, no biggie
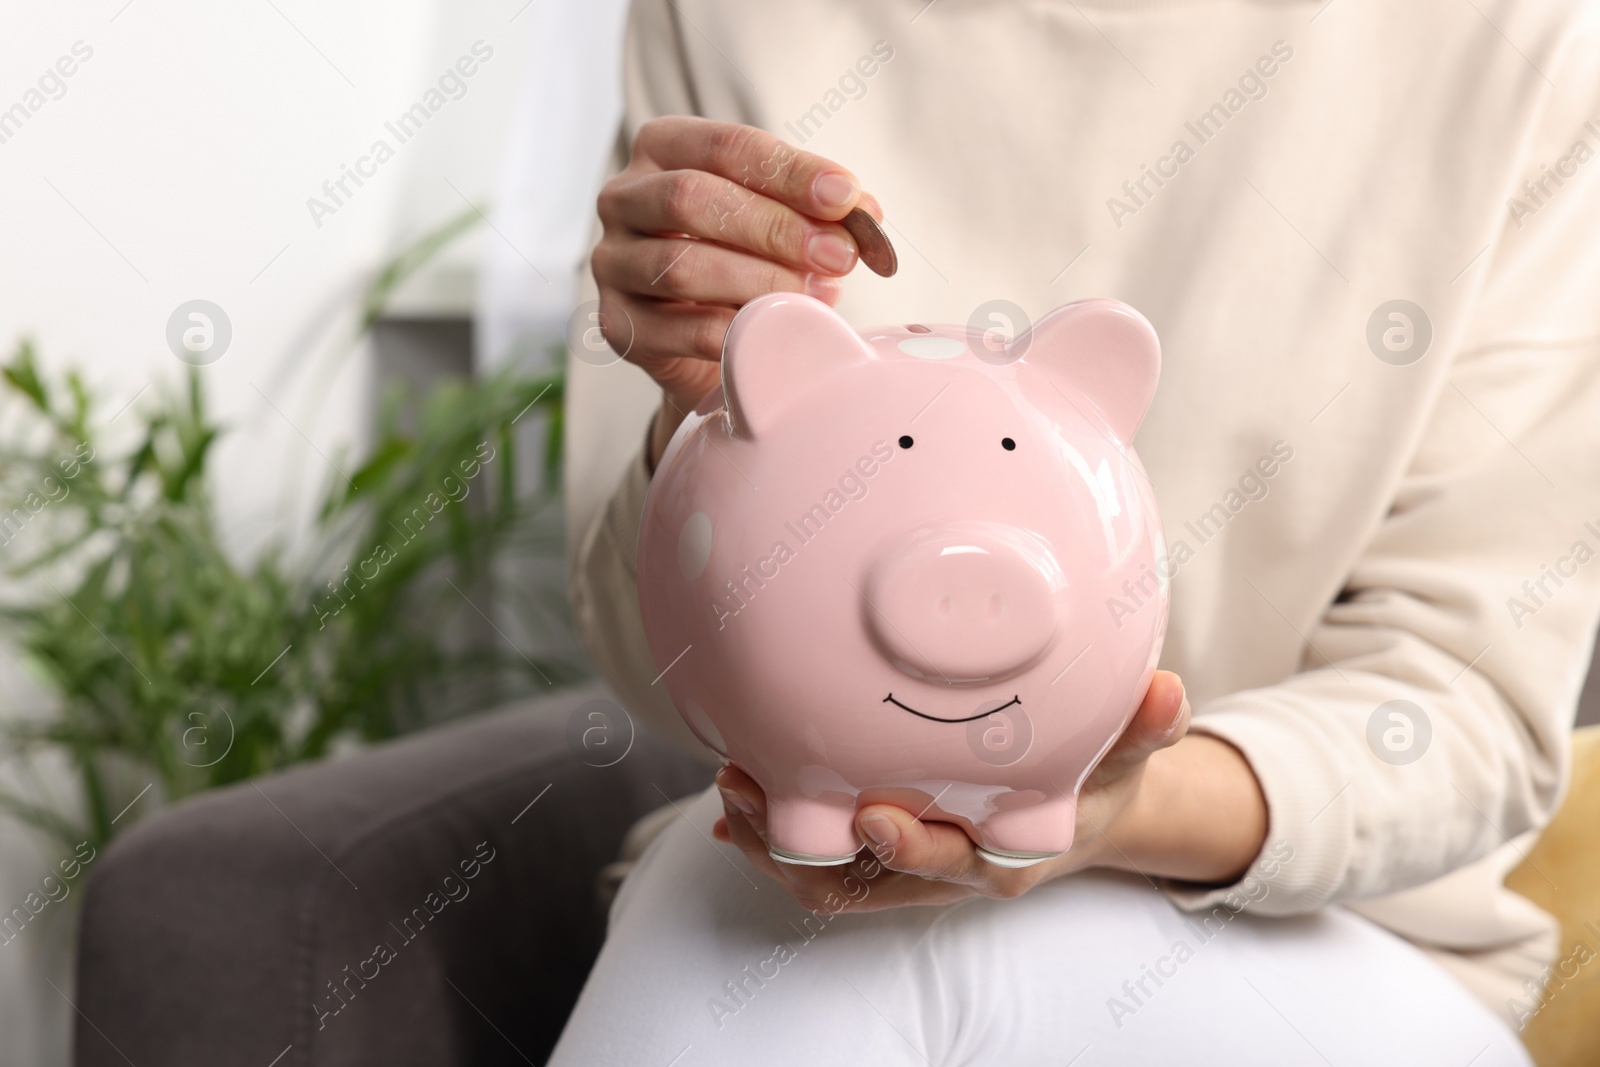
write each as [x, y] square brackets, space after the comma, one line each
[910, 566]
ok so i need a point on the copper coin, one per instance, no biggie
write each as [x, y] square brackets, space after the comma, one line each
[876, 251]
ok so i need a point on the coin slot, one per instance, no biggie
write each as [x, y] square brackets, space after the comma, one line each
[917, 327]
[932, 346]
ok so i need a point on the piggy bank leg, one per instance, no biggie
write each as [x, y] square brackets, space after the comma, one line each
[1021, 837]
[812, 833]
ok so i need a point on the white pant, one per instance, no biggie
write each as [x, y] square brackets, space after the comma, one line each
[710, 962]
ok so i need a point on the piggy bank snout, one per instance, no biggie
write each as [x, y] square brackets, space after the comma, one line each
[961, 607]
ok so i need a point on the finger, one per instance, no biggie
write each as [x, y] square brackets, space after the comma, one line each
[639, 326]
[927, 849]
[815, 888]
[684, 268]
[746, 805]
[752, 158]
[743, 836]
[712, 207]
[1163, 715]
[1162, 719]
[745, 795]
[677, 344]
[867, 884]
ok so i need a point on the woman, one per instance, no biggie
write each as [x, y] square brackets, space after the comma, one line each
[1367, 238]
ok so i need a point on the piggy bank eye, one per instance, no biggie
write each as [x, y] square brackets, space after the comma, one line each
[906, 442]
[1008, 444]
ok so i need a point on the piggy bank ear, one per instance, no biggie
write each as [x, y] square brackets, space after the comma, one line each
[1102, 349]
[778, 347]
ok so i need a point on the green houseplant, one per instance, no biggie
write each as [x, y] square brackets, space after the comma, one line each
[177, 667]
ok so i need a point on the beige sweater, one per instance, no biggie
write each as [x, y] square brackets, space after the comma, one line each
[1259, 179]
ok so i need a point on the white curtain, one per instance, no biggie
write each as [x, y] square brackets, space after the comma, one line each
[563, 128]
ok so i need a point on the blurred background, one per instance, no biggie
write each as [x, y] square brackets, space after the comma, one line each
[283, 293]
[372, 315]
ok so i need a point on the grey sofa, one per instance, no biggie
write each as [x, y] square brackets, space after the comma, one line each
[432, 901]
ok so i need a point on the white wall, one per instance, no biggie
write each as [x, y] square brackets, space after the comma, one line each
[176, 164]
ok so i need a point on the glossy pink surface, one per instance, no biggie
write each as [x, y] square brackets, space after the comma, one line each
[859, 593]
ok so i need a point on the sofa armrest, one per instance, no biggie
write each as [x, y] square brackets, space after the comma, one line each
[431, 901]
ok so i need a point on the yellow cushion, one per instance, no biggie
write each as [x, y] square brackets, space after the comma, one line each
[1566, 1031]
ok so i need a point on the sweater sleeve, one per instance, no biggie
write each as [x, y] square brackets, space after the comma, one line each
[1430, 723]
[605, 605]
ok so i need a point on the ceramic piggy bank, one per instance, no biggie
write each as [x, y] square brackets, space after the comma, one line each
[907, 566]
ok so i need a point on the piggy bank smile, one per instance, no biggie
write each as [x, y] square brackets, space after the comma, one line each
[897, 512]
[981, 713]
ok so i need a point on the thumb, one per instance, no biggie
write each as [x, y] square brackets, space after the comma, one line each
[905, 843]
[1161, 720]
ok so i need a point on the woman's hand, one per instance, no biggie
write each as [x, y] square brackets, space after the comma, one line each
[1126, 819]
[707, 216]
